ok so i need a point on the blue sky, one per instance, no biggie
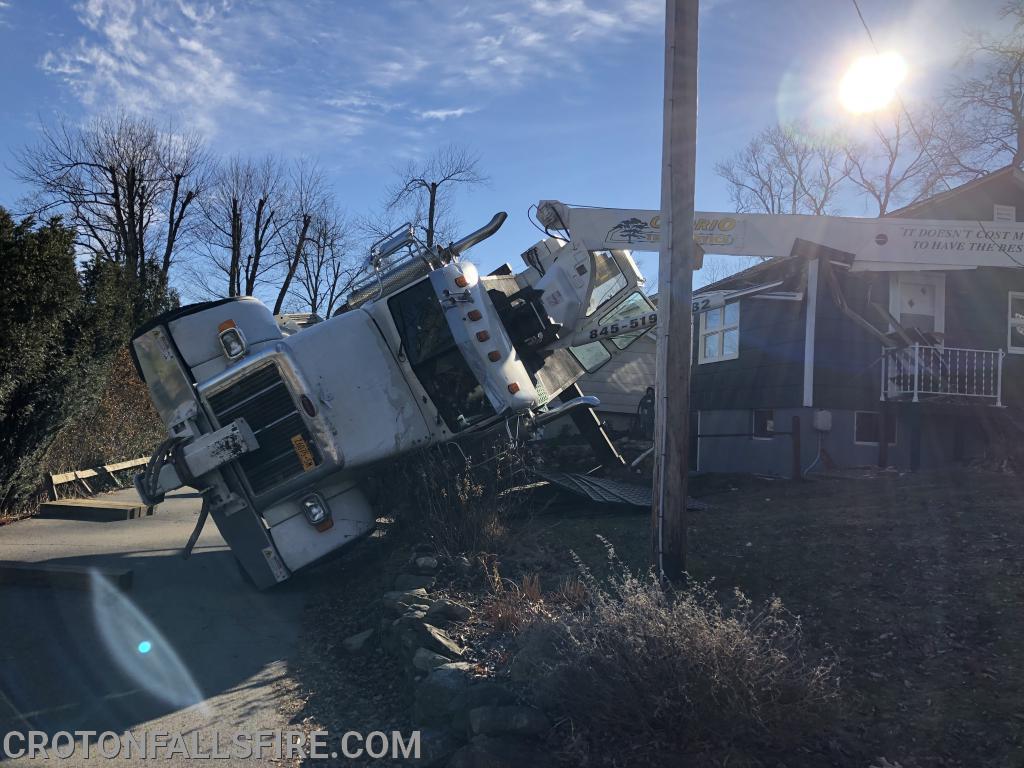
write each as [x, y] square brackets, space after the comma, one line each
[561, 98]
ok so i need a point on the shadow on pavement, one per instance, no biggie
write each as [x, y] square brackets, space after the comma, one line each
[106, 661]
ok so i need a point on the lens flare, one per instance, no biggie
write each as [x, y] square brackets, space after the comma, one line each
[139, 648]
[870, 82]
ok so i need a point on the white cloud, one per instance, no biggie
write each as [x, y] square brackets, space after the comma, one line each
[444, 114]
[339, 67]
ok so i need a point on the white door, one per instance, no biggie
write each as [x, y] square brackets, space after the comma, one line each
[918, 300]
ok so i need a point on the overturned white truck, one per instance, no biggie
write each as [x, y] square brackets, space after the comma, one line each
[277, 429]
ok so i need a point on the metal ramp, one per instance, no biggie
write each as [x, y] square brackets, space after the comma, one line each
[604, 490]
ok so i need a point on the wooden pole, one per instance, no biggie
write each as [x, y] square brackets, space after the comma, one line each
[797, 465]
[675, 290]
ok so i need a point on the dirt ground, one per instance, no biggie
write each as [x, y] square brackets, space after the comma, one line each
[915, 581]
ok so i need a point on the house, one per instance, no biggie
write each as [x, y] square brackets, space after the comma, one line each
[828, 337]
[912, 363]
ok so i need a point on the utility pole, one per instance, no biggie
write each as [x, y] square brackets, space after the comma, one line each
[675, 290]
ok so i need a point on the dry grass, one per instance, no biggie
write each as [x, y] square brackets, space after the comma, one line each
[681, 673]
[510, 606]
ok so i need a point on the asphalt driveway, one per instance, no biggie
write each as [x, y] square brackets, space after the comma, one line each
[188, 647]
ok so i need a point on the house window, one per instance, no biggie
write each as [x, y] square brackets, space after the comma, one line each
[719, 334]
[1015, 323]
[867, 427]
[764, 423]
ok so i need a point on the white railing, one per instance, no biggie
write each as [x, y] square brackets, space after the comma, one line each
[919, 370]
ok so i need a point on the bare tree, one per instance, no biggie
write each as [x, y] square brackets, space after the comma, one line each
[905, 159]
[307, 196]
[245, 213]
[989, 102]
[125, 185]
[786, 169]
[328, 267]
[426, 189]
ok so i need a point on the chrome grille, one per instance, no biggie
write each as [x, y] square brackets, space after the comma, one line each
[263, 400]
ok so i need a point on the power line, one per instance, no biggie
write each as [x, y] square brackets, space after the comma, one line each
[924, 146]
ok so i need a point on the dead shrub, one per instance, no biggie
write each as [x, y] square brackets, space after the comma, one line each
[671, 674]
[461, 500]
[122, 425]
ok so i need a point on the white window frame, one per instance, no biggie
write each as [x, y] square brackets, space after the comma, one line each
[937, 279]
[720, 332]
[1010, 323]
[895, 428]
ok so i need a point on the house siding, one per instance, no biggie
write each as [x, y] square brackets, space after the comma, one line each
[976, 318]
[768, 373]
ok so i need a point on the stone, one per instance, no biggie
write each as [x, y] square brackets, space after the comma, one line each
[411, 581]
[463, 567]
[508, 720]
[436, 746]
[488, 693]
[425, 564]
[399, 600]
[537, 650]
[449, 609]
[425, 660]
[439, 641]
[423, 548]
[436, 692]
[359, 643]
[491, 752]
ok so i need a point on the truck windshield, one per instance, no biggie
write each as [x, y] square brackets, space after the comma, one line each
[437, 362]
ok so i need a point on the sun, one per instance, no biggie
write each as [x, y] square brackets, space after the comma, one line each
[870, 82]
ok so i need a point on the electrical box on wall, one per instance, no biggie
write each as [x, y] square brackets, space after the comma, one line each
[822, 421]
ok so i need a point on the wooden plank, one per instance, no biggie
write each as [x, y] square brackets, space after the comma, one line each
[68, 477]
[126, 464]
[97, 509]
[61, 576]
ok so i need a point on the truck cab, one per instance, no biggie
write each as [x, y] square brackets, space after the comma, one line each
[277, 429]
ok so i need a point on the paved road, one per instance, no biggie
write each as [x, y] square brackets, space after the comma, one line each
[78, 659]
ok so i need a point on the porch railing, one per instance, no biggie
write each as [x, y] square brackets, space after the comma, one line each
[928, 371]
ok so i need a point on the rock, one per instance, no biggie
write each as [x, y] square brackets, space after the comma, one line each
[359, 643]
[463, 567]
[449, 609]
[439, 641]
[423, 548]
[436, 746]
[411, 581]
[491, 752]
[436, 692]
[487, 693]
[537, 649]
[425, 660]
[425, 564]
[508, 720]
[399, 600]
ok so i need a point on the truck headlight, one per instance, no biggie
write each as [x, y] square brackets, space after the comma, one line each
[317, 513]
[231, 340]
